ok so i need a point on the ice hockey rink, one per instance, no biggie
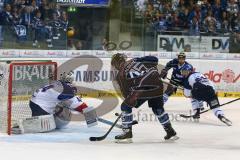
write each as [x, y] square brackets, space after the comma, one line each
[208, 139]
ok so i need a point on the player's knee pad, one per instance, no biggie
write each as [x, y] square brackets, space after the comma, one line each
[196, 104]
[62, 116]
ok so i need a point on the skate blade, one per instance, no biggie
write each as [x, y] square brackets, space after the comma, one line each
[124, 141]
[172, 139]
[227, 122]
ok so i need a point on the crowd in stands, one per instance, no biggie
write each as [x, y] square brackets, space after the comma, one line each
[41, 18]
[213, 17]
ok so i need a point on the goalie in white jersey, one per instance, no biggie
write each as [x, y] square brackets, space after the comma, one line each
[197, 86]
[51, 108]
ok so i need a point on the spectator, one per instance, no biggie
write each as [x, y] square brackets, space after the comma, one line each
[44, 9]
[217, 10]
[232, 7]
[210, 23]
[161, 26]
[70, 45]
[194, 27]
[1, 5]
[104, 44]
[39, 29]
[183, 18]
[141, 5]
[205, 7]
[225, 24]
[6, 16]
[26, 17]
[79, 45]
[64, 21]
[34, 8]
[234, 43]
[16, 16]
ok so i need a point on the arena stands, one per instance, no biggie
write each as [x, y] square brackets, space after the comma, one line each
[36, 21]
[209, 17]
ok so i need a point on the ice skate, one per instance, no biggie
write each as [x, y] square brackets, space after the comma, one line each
[125, 137]
[171, 134]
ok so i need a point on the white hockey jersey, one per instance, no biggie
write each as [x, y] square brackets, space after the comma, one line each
[49, 96]
[192, 79]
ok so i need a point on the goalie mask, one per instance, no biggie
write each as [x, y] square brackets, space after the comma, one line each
[67, 77]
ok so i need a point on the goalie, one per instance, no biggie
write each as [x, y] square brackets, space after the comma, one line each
[51, 108]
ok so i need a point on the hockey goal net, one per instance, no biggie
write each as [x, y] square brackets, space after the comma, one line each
[18, 81]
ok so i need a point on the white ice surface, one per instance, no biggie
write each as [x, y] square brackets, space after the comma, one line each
[207, 140]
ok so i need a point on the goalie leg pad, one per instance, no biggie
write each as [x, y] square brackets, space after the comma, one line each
[37, 124]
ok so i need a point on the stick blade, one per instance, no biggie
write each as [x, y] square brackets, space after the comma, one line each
[185, 116]
[96, 138]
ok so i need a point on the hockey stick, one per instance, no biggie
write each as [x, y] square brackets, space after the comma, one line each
[173, 85]
[106, 134]
[111, 123]
[190, 116]
[108, 122]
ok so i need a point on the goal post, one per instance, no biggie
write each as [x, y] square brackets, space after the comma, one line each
[18, 81]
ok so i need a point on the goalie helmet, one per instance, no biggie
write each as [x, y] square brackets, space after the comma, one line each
[67, 77]
[117, 59]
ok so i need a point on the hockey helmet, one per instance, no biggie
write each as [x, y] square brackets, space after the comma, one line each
[181, 55]
[186, 70]
[117, 59]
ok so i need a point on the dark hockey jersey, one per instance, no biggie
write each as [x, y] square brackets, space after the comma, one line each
[139, 77]
[176, 74]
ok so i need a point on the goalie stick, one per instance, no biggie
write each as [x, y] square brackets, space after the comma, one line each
[190, 116]
[106, 134]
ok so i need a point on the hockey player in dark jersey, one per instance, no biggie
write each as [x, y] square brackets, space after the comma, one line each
[177, 79]
[200, 88]
[139, 81]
